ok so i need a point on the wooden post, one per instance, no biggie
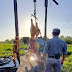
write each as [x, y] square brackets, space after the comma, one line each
[16, 29]
[45, 32]
[16, 17]
[46, 5]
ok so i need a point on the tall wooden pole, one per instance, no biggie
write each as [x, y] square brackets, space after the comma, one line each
[16, 29]
[46, 5]
[16, 17]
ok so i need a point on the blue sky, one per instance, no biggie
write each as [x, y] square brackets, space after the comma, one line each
[58, 17]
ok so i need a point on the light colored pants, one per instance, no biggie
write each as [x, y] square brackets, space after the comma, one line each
[53, 63]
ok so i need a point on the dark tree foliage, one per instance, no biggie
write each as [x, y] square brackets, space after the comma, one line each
[67, 39]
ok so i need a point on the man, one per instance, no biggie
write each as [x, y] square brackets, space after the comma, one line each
[41, 44]
[55, 48]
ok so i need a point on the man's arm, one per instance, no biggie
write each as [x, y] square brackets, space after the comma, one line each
[64, 53]
[63, 58]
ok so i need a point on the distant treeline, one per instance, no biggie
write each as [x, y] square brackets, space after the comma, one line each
[68, 40]
[7, 41]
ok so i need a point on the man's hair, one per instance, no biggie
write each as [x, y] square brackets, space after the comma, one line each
[55, 33]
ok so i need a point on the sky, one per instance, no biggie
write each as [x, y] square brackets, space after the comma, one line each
[58, 17]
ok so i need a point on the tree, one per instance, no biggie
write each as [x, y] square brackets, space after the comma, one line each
[62, 37]
[68, 39]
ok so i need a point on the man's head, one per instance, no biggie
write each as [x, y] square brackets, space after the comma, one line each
[56, 32]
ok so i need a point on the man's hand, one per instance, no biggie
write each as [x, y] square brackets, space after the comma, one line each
[63, 58]
[62, 61]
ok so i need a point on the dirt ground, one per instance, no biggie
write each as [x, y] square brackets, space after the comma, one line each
[29, 66]
[26, 66]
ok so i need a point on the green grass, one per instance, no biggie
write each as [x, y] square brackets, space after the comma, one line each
[22, 52]
[69, 49]
[6, 49]
[67, 66]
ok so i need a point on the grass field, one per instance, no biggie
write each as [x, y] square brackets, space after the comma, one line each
[6, 49]
[67, 66]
